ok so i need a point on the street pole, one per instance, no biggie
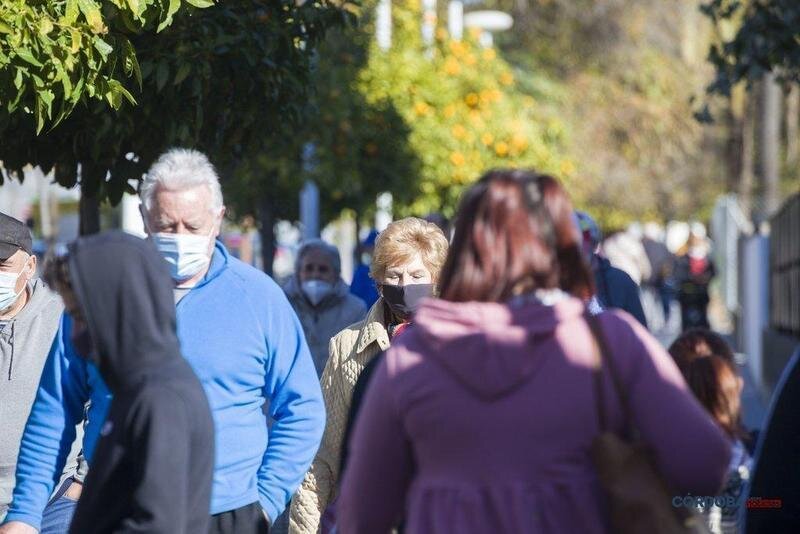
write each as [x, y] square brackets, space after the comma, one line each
[455, 19]
[770, 142]
[383, 24]
[309, 196]
[428, 22]
[45, 220]
[384, 213]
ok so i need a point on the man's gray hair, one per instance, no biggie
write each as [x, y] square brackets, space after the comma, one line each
[326, 248]
[177, 169]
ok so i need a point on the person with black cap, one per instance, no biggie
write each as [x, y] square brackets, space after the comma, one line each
[240, 335]
[29, 321]
[152, 468]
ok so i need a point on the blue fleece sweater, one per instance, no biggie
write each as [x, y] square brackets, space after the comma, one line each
[240, 335]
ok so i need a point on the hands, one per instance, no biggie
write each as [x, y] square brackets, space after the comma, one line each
[17, 527]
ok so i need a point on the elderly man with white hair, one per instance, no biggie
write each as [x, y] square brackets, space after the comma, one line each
[243, 340]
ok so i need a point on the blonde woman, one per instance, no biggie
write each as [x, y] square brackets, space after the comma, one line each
[406, 263]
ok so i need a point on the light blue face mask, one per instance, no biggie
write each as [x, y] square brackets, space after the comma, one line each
[186, 254]
[8, 293]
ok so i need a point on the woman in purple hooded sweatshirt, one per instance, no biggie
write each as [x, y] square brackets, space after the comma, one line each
[480, 417]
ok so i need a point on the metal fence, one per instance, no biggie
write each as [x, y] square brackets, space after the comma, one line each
[784, 268]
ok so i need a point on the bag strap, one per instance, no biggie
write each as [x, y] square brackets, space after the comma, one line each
[604, 355]
[597, 375]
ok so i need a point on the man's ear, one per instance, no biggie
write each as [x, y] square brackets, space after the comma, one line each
[222, 213]
[30, 266]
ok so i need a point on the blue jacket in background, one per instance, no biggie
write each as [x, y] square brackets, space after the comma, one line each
[67, 383]
[240, 335]
[616, 289]
[363, 286]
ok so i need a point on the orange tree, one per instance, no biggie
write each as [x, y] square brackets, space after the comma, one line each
[424, 123]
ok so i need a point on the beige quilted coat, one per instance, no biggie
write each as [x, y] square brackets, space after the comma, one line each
[350, 351]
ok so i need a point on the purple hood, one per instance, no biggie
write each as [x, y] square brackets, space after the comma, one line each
[480, 343]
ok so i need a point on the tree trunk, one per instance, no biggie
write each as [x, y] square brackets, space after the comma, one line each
[769, 144]
[45, 203]
[746, 168]
[266, 229]
[793, 126]
[89, 214]
[733, 149]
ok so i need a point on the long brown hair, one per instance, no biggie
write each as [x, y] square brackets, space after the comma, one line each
[514, 233]
[707, 364]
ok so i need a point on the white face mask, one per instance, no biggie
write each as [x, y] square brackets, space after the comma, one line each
[8, 293]
[316, 290]
[186, 254]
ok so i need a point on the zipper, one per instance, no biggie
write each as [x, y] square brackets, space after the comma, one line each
[11, 342]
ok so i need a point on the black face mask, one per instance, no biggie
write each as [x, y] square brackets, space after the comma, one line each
[404, 300]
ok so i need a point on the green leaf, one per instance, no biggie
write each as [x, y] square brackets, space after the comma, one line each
[47, 98]
[18, 78]
[103, 47]
[71, 11]
[174, 5]
[132, 62]
[27, 55]
[12, 105]
[92, 14]
[45, 26]
[114, 97]
[39, 112]
[75, 41]
[67, 83]
[136, 7]
[128, 96]
[5, 28]
[78, 90]
[162, 73]
[202, 4]
[183, 72]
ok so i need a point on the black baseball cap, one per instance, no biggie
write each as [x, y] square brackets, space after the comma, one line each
[14, 236]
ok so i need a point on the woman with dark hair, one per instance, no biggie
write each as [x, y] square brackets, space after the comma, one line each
[697, 342]
[480, 417]
[707, 364]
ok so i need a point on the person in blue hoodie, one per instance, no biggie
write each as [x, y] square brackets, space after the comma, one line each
[362, 285]
[241, 337]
